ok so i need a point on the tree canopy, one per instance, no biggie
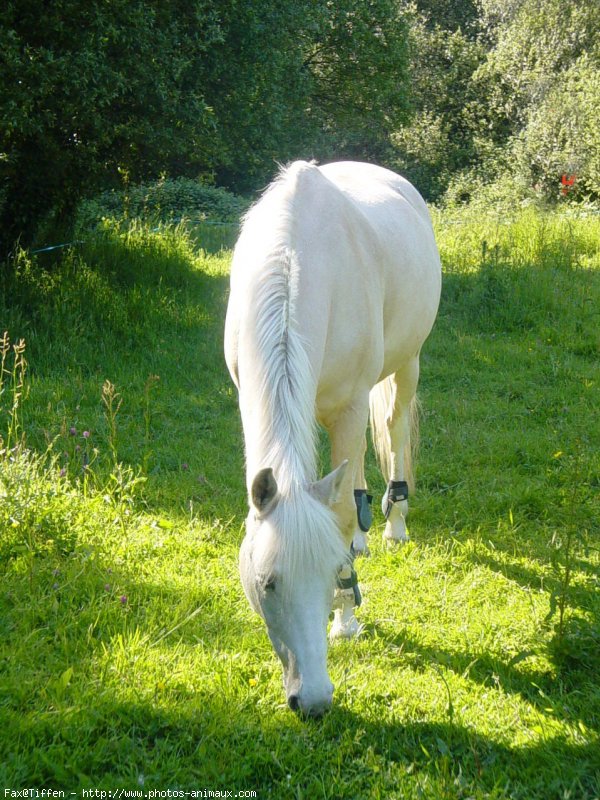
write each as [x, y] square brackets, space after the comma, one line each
[503, 92]
[93, 90]
[453, 93]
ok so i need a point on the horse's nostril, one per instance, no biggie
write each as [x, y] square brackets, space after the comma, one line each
[294, 702]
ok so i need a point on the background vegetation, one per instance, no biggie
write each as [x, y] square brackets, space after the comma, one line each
[457, 95]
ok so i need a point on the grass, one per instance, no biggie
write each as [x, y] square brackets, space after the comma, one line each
[129, 658]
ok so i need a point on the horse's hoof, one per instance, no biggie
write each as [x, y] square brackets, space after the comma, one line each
[396, 532]
[359, 544]
[396, 541]
[395, 544]
[344, 630]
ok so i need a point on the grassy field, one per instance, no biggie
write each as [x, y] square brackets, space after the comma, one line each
[129, 658]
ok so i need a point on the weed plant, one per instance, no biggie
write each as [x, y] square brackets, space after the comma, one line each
[129, 656]
[12, 386]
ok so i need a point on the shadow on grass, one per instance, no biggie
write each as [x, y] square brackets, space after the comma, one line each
[109, 301]
[505, 300]
[454, 758]
[146, 312]
[548, 691]
[581, 595]
[209, 744]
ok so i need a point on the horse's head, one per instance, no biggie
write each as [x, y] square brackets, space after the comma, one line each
[288, 564]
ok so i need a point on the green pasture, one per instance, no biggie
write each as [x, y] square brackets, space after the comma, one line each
[129, 658]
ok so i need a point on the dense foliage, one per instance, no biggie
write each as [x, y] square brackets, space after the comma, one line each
[505, 93]
[165, 200]
[457, 95]
[91, 92]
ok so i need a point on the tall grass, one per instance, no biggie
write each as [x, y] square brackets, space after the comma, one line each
[129, 657]
[535, 276]
[12, 386]
[551, 240]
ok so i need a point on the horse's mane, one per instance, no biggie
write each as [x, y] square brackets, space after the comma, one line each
[284, 385]
[283, 372]
[306, 541]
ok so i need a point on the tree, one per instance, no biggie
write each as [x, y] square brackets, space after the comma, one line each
[541, 81]
[444, 53]
[315, 78]
[93, 90]
[502, 93]
[88, 89]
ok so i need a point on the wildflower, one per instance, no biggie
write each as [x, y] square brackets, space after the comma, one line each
[123, 599]
[86, 434]
[107, 587]
[55, 586]
[56, 572]
[62, 472]
[185, 466]
[73, 431]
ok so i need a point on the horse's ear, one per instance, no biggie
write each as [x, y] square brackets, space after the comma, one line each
[264, 490]
[328, 488]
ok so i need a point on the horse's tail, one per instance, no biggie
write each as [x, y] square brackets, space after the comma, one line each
[381, 400]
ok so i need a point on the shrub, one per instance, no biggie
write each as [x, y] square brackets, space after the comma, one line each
[165, 200]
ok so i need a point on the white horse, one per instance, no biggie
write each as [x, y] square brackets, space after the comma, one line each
[335, 285]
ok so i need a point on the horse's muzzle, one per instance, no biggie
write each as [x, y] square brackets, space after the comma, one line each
[312, 709]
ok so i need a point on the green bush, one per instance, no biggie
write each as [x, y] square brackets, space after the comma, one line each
[166, 200]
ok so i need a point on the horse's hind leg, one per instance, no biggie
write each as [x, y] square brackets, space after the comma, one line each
[399, 424]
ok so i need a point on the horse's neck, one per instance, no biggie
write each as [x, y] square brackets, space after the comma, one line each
[277, 390]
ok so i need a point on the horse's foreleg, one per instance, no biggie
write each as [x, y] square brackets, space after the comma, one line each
[347, 437]
[363, 505]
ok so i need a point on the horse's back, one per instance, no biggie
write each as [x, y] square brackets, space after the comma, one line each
[370, 185]
[364, 268]
[396, 213]
[384, 266]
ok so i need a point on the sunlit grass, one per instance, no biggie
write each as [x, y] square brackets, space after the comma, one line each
[129, 655]
[468, 238]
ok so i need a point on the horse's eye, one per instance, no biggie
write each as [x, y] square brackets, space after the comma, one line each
[270, 584]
